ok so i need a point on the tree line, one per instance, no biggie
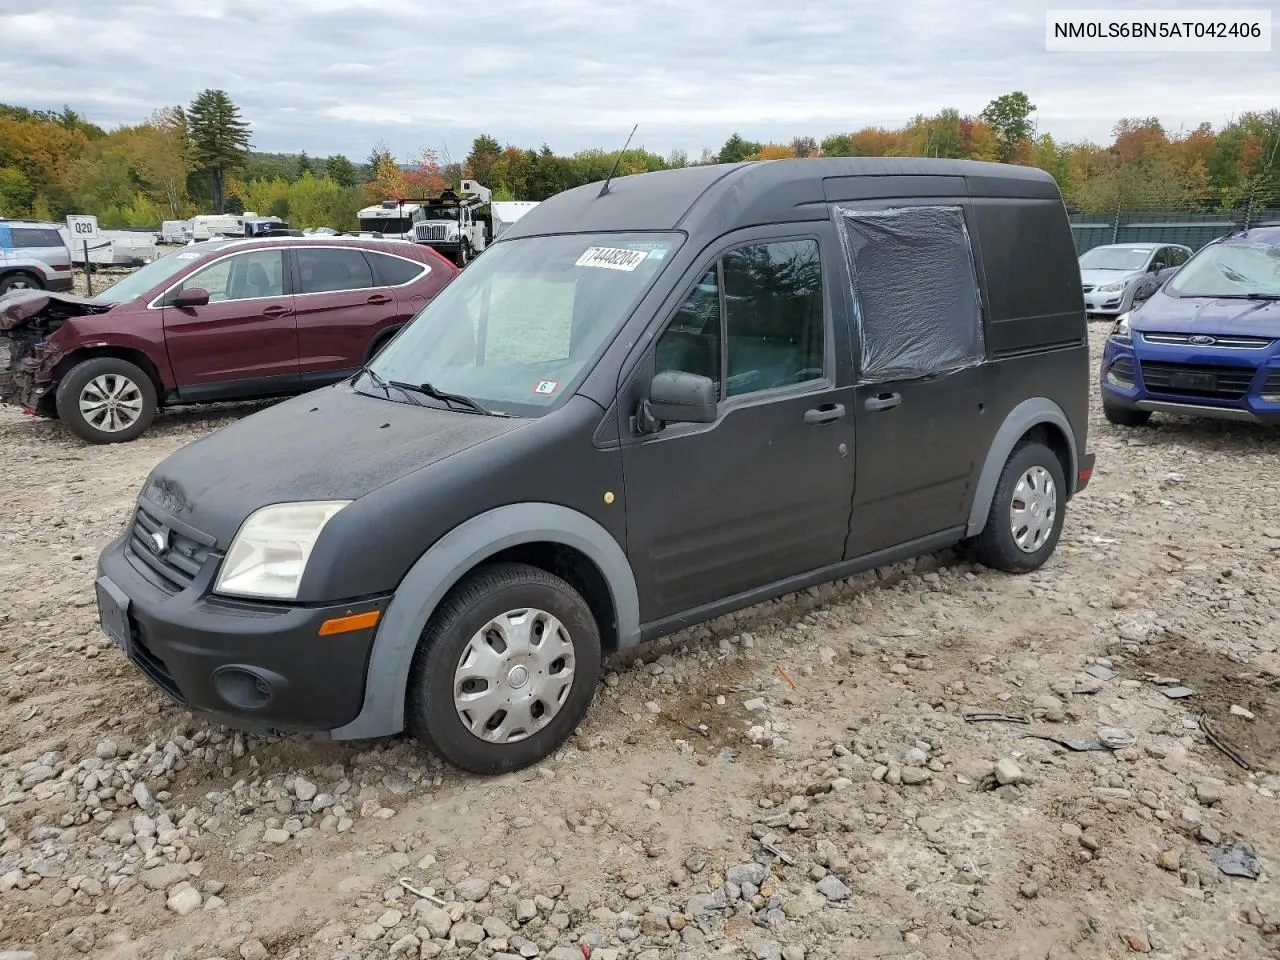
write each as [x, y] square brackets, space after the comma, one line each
[199, 159]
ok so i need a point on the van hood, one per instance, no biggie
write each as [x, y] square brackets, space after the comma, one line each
[330, 444]
[1208, 315]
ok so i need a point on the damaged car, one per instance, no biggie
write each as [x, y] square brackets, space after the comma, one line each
[240, 319]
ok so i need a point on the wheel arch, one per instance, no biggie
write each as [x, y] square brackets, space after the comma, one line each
[1036, 418]
[552, 537]
[80, 355]
[380, 340]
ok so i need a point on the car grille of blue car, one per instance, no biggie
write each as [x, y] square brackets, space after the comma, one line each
[1208, 381]
[1188, 340]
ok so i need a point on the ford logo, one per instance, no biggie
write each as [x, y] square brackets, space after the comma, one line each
[1200, 340]
[158, 542]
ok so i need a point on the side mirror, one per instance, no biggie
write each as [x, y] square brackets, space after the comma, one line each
[677, 397]
[194, 297]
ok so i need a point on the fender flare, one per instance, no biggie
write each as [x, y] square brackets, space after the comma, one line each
[1029, 413]
[444, 564]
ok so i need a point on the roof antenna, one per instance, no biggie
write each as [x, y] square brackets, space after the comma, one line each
[605, 188]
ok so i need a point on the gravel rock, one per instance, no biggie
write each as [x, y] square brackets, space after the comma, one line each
[473, 889]
[184, 900]
[253, 950]
[833, 888]
[1008, 772]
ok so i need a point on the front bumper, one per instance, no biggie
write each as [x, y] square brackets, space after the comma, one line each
[1139, 378]
[1105, 304]
[60, 284]
[253, 666]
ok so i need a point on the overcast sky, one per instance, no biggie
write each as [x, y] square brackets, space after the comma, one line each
[330, 76]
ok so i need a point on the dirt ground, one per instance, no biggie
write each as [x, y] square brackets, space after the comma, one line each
[796, 781]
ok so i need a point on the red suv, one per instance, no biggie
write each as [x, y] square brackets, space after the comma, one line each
[214, 321]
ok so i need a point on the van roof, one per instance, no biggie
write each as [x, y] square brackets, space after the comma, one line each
[716, 198]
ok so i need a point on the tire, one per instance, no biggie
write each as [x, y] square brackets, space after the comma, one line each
[464, 256]
[1125, 416]
[486, 598]
[99, 377]
[379, 342]
[997, 546]
[19, 280]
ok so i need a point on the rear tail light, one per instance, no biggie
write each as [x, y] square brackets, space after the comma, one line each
[59, 266]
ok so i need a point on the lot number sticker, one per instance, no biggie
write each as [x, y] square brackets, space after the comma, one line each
[547, 386]
[612, 258]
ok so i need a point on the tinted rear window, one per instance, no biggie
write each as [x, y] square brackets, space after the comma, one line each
[36, 237]
[330, 269]
[389, 271]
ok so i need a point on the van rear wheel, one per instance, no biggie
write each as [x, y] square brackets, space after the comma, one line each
[505, 670]
[1027, 511]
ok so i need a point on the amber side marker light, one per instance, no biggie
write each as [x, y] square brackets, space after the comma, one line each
[357, 621]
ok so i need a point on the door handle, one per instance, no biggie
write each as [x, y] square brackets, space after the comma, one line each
[275, 311]
[885, 401]
[825, 413]
[378, 299]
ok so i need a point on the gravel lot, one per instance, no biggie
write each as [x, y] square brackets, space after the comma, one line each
[798, 781]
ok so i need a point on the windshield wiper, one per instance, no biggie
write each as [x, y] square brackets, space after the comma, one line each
[1262, 296]
[386, 387]
[448, 398]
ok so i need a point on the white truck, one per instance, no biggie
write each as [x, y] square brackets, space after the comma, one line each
[456, 223]
[390, 218]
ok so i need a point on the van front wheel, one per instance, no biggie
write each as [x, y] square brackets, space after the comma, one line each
[1027, 511]
[505, 670]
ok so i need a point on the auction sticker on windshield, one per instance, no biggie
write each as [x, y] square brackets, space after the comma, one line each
[547, 386]
[612, 258]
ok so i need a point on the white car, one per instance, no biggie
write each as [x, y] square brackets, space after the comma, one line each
[1109, 274]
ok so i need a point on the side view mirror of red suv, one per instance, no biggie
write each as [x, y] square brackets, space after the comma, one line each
[195, 297]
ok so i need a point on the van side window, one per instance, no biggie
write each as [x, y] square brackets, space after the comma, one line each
[691, 342]
[918, 310]
[772, 324]
[773, 307]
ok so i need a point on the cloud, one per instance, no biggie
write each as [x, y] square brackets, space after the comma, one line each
[329, 76]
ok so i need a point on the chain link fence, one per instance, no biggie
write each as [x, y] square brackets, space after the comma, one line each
[1149, 214]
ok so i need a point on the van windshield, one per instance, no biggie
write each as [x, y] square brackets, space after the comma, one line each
[1230, 270]
[519, 327]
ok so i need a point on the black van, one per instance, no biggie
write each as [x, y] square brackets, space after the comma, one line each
[653, 401]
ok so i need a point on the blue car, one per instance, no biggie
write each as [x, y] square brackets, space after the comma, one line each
[1206, 343]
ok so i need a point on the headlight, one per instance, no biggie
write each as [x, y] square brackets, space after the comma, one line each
[1112, 287]
[269, 553]
[1121, 329]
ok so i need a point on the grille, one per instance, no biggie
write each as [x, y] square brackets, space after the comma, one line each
[175, 568]
[1272, 384]
[1122, 369]
[1194, 380]
[1184, 340]
[431, 231]
[1087, 287]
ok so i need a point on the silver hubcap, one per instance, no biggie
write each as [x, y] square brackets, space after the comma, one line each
[19, 283]
[1033, 510]
[111, 403]
[514, 676]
